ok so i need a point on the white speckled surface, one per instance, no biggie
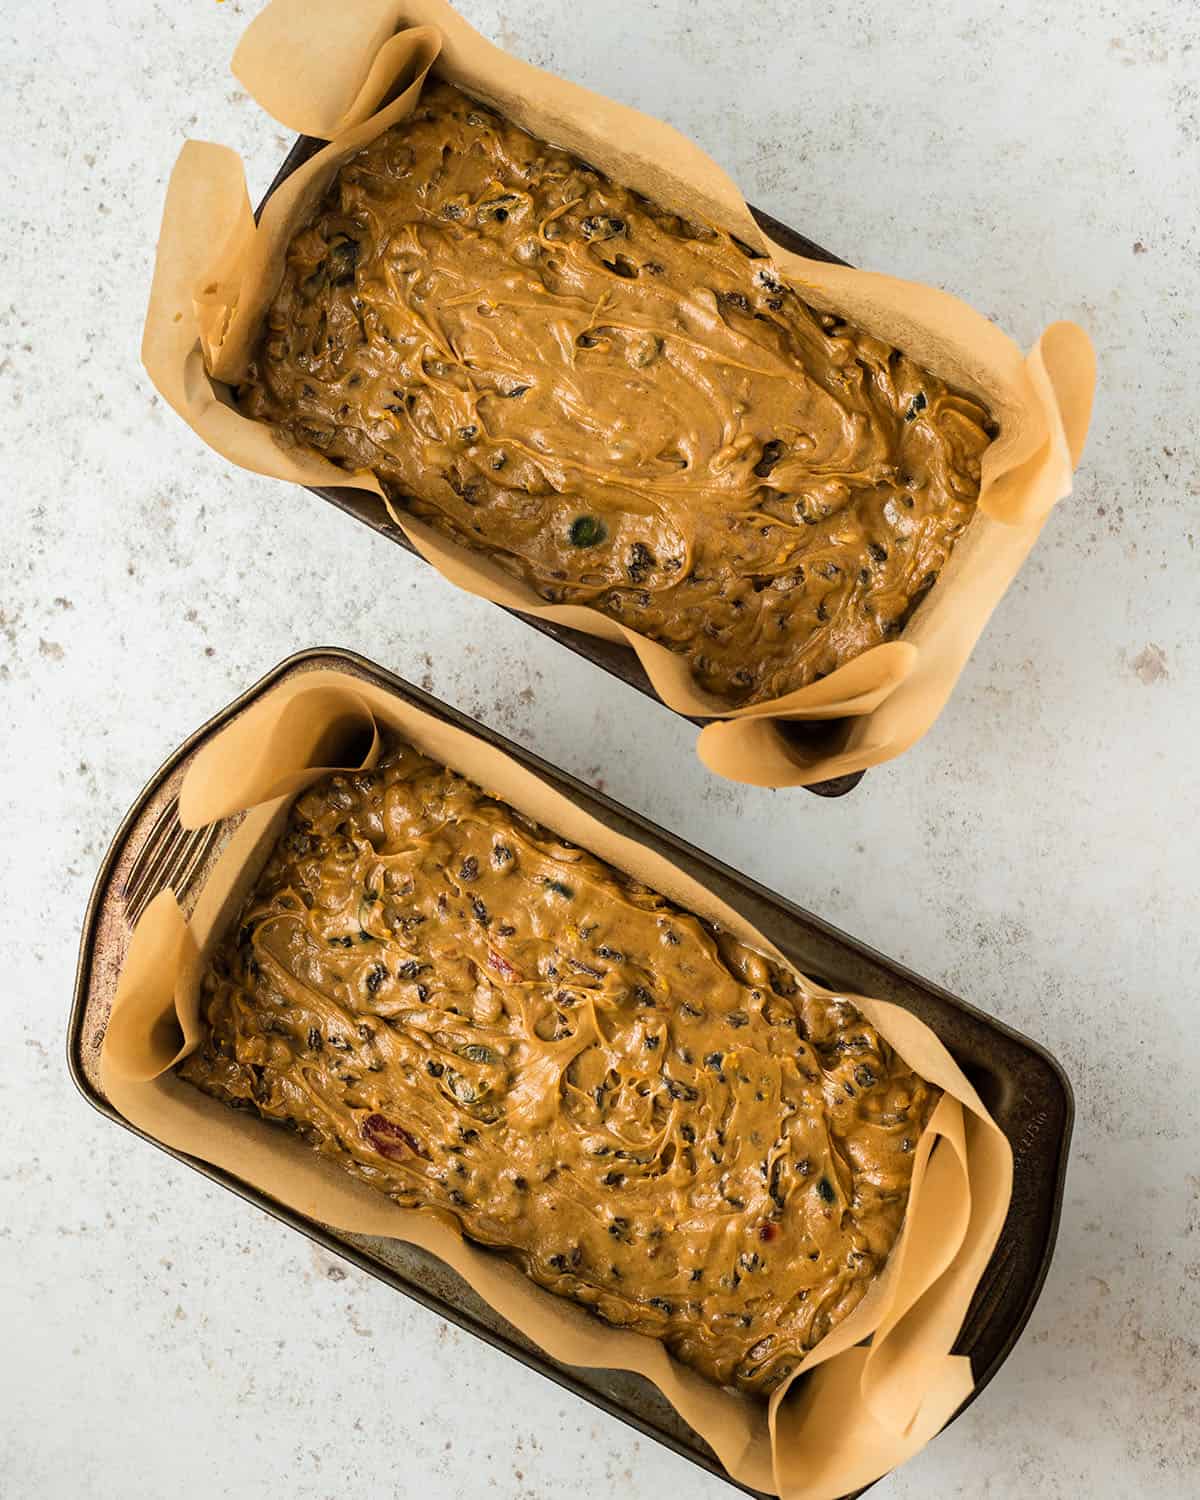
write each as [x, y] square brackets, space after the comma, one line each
[1037, 853]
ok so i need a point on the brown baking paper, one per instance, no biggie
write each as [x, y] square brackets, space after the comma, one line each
[859, 1411]
[345, 70]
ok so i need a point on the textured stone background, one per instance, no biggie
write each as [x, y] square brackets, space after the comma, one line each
[1037, 853]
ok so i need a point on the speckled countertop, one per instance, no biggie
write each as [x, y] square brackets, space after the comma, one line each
[1037, 853]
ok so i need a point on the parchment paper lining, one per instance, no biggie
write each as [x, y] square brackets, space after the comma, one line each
[861, 1410]
[345, 70]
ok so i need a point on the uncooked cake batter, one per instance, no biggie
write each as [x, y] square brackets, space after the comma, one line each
[481, 1020]
[624, 409]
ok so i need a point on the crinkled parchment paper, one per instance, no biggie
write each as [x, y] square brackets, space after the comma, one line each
[852, 1411]
[345, 70]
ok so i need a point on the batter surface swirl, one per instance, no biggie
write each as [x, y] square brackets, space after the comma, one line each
[624, 409]
[490, 1024]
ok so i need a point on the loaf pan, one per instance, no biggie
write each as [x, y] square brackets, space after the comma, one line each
[616, 659]
[1022, 1086]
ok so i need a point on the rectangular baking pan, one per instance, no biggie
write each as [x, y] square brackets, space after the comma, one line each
[616, 659]
[1022, 1085]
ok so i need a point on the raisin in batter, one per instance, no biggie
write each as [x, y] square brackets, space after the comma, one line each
[626, 410]
[480, 1019]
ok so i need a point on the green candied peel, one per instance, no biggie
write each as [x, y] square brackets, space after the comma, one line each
[587, 531]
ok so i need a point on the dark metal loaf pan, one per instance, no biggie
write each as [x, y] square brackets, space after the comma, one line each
[1025, 1089]
[614, 658]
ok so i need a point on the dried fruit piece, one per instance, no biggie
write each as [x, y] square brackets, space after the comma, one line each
[598, 227]
[587, 531]
[508, 972]
[388, 1138]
